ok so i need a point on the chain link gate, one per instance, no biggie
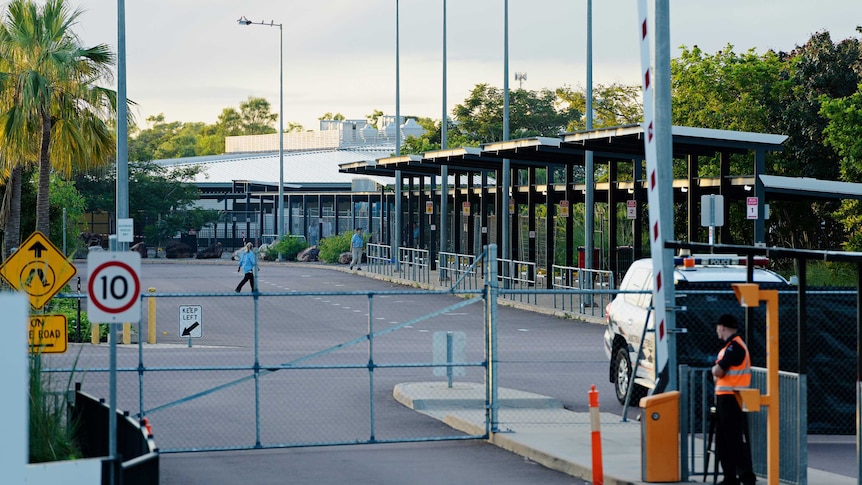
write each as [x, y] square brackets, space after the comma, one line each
[265, 380]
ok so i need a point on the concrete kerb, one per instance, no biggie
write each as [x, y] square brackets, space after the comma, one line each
[533, 426]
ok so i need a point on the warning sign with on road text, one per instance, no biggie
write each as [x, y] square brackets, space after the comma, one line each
[47, 334]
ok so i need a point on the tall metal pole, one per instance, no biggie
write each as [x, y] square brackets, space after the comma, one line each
[122, 213]
[396, 236]
[589, 169]
[278, 208]
[444, 170]
[504, 242]
[444, 126]
[664, 156]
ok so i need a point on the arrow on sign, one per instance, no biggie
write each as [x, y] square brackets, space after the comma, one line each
[37, 249]
[188, 330]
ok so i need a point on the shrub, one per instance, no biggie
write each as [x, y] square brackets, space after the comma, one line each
[69, 308]
[289, 246]
[332, 247]
[52, 433]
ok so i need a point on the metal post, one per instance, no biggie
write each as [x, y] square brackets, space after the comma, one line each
[278, 208]
[505, 187]
[371, 364]
[444, 124]
[122, 209]
[396, 239]
[589, 169]
[664, 155]
[449, 358]
[491, 385]
[444, 217]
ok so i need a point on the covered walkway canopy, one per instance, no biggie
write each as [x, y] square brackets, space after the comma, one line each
[548, 183]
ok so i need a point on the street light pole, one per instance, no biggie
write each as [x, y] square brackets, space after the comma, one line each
[278, 210]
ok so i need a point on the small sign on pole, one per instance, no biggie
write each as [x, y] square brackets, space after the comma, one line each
[564, 208]
[114, 288]
[429, 206]
[632, 209]
[711, 210]
[125, 230]
[465, 208]
[191, 321]
[751, 205]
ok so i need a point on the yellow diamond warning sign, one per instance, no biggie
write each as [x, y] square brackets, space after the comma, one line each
[38, 268]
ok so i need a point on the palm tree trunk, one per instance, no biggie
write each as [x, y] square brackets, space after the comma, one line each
[11, 212]
[42, 203]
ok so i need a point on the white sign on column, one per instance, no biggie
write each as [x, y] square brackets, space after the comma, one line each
[125, 230]
[191, 321]
[751, 206]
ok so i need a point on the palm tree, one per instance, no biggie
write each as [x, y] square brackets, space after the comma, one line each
[51, 103]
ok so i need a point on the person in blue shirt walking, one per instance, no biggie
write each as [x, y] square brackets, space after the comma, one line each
[247, 262]
[356, 243]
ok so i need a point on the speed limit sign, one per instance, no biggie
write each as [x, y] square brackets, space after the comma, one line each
[113, 287]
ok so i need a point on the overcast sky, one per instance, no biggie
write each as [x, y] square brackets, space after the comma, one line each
[189, 59]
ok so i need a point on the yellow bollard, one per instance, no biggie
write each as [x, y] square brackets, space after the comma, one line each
[94, 333]
[127, 333]
[151, 317]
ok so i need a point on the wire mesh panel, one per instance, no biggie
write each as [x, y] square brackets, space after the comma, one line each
[828, 349]
[284, 369]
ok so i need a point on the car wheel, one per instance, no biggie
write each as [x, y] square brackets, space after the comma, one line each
[623, 375]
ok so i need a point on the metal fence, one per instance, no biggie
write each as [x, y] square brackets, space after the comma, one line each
[250, 385]
[587, 303]
[579, 291]
[698, 390]
[258, 370]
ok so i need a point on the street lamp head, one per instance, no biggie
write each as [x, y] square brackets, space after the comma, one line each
[243, 21]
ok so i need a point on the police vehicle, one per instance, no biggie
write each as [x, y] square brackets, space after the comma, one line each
[707, 277]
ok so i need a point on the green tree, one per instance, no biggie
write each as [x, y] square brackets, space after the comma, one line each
[330, 116]
[844, 133]
[256, 116]
[65, 198]
[160, 199]
[374, 118]
[613, 105]
[819, 69]
[531, 113]
[174, 139]
[52, 97]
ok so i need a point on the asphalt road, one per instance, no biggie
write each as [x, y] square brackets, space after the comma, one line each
[538, 353]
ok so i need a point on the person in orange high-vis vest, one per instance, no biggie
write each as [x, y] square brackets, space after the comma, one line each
[732, 370]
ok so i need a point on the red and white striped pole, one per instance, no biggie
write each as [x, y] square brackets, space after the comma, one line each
[598, 473]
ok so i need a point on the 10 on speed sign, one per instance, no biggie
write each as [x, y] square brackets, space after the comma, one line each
[113, 287]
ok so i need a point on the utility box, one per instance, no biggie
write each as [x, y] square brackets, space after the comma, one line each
[660, 437]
